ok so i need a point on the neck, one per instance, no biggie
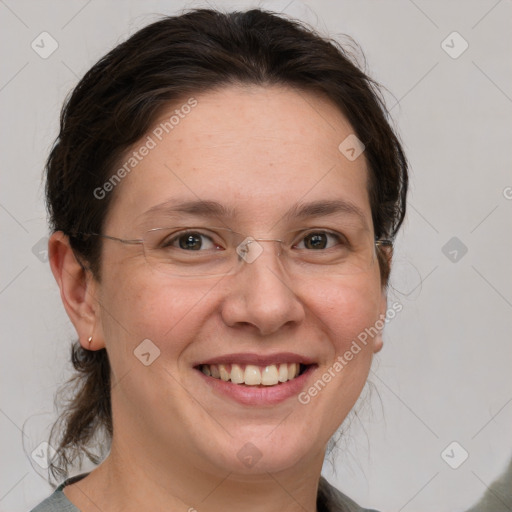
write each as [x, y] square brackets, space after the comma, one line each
[129, 480]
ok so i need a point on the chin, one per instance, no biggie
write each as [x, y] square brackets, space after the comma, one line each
[251, 455]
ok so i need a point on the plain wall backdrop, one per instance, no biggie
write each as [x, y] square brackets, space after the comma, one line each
[444, 373]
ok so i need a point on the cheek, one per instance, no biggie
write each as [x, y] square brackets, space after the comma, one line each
[346, 307]
[142, 305]
[343, 310]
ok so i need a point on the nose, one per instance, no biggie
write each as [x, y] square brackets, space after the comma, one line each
[261, 295]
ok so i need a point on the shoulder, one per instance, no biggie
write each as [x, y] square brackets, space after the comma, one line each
[332, 500]
[58, 501]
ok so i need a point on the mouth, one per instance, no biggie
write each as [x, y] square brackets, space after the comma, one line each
[254, 375]
[256, 379]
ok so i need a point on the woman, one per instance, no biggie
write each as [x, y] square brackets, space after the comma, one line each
[223, 196]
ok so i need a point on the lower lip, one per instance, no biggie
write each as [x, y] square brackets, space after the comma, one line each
[259, 395]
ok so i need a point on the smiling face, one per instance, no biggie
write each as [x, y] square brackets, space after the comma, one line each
[261, 154]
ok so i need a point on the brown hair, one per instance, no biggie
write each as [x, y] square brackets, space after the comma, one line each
[118, 99]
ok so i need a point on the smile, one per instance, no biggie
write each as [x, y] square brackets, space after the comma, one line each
[253, 375]
[256, 379]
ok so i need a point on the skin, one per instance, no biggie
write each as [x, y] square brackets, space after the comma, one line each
[175, 442]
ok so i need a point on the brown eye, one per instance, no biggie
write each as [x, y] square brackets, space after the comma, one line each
[315, 241]
[319, 240]
[189, 241]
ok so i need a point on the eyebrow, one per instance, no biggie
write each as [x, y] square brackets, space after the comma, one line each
[324, 208]
[204, 208]
[198, 207]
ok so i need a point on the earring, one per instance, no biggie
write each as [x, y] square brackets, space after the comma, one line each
[89, 340]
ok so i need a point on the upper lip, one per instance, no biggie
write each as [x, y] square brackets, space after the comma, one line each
[259, 359]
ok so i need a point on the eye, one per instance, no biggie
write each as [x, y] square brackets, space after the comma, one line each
[318, 240]
[190, 241]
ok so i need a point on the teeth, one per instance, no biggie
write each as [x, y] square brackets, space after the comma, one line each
[253, 375]
[270, 375]
[237, 374]
[283, 373]
[224, 375]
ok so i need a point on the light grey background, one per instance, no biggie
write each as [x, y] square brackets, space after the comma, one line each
[444, 374]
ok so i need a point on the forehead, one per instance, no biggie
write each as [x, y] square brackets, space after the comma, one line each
[256, 150]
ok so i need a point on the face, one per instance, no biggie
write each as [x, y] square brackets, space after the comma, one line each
[258, 152]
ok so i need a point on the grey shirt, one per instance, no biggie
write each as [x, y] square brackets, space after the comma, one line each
[329, 499]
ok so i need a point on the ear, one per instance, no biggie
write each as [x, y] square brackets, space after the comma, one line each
[386, 257]
[78, 291]
[377, 340]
